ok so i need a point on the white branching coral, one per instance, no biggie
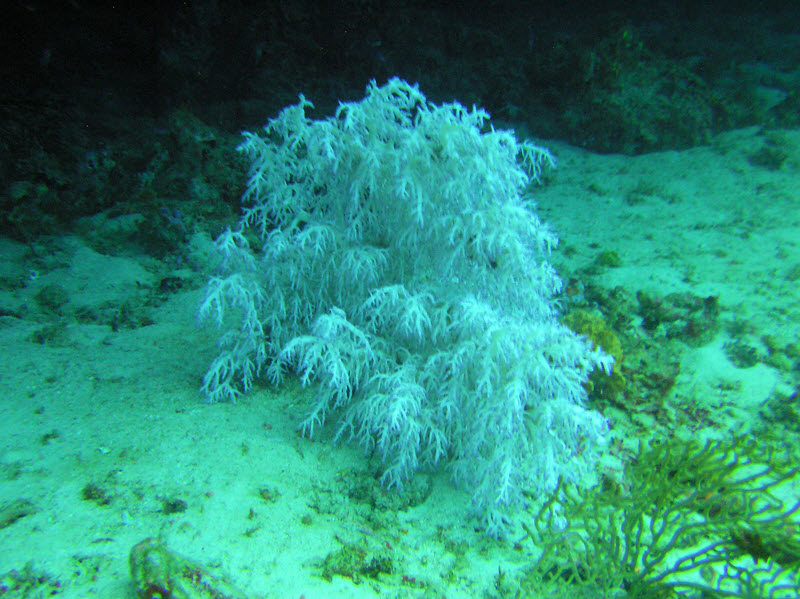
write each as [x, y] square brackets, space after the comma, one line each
[404, 273]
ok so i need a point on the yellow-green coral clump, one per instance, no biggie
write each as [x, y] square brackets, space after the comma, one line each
[596, 329]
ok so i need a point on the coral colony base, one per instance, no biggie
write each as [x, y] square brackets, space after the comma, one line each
[401, 270]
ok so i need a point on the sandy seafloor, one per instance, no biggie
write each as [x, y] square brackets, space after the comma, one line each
[83, 404]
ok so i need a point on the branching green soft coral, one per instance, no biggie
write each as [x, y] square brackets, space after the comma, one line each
[693, 520]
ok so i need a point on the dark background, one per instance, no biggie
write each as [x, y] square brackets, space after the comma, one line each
[98, 96]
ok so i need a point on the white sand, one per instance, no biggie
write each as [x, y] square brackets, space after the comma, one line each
[126, 414]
